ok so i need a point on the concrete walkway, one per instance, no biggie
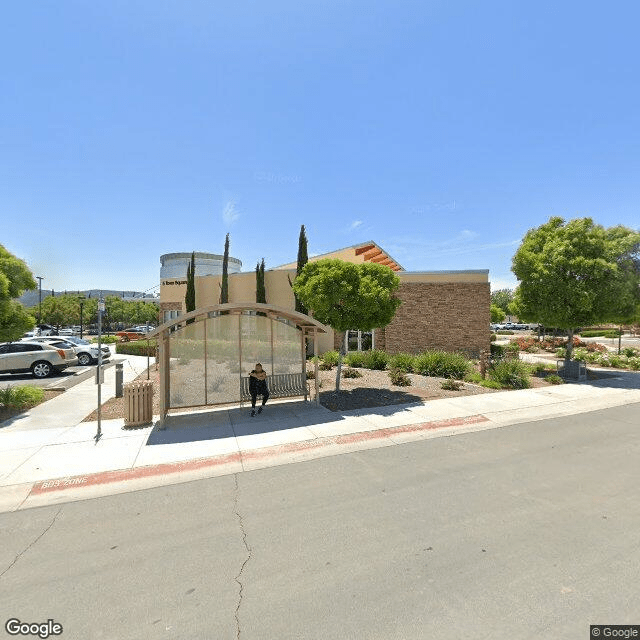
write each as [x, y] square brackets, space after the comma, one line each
[50, 455]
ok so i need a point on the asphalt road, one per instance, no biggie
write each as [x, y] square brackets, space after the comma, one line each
[523, 532]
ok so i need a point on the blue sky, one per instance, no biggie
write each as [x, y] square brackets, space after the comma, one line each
[442, 130]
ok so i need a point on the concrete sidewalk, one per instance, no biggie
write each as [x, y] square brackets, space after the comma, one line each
[49, 455]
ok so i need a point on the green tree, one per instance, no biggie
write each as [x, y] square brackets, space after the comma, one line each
[190, 296]
[574, 274]
[261, 293]
[224, 287]
[15, 279]
[502, 298]
[303, 258]
[497, 314]
[347, 296]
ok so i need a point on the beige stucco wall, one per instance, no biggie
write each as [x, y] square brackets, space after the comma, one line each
[348, 255]
[242, 288]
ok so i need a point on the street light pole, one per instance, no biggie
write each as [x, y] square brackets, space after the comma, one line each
[81, 301]
[40, 279]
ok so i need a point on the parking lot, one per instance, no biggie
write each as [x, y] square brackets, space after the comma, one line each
[64, 379]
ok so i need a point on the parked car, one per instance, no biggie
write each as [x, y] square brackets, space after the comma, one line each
[47, 330]
[86, 352]
[68, 331]
[41, 358]
[131, 334]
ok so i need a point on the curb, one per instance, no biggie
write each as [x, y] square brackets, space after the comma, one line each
[71, 488]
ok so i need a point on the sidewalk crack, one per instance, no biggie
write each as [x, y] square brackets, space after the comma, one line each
[32, 543]
[246, 560]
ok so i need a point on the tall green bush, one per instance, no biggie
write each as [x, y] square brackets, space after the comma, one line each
[402, 361]
[442, 364]
[512, 374]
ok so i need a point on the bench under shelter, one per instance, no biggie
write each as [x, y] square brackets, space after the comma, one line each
[205, 356]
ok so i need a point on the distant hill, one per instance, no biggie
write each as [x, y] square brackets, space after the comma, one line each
[30, 298]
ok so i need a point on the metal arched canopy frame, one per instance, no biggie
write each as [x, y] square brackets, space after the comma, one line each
[304, 322]
[307, 325]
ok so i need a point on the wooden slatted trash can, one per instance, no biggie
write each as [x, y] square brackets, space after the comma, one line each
[138, 403]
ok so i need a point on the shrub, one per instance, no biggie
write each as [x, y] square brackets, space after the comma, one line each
[442, 364]
[473, 377]
[561, 352]
[600, 333]
[375, 359]
[355, 359]
[634, 363]
[616, 361]
[325, 366]
[630, 352]
[490, 384]
[137, 348]
[505, 332]
[512, 374]
[450, 384]
[402, 361]
[493, 337]
[554, 379]
[540, 367]
[528, 344]
[497, 350]
[21, 397]
[311, 374]
[107, 339]
[331, 357]
[399, 378]
[348, 372]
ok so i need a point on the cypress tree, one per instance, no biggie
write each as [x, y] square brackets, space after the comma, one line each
[261, 292]
[303, 258]
[224, 287]
[190, 295]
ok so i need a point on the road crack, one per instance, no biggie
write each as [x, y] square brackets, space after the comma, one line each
[246, 560]
[30, 546]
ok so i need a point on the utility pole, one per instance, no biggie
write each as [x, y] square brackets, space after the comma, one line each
[40, 279]
[99, 372]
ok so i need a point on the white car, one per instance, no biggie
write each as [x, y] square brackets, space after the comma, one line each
[41, 358]
[86, 352]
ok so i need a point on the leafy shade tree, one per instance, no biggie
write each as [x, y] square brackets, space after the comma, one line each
[303, 258]
[497, 314]
[15, 278]
[190, 295]
[224, 287]
[347, 296]
[575, 274]
[502, 298]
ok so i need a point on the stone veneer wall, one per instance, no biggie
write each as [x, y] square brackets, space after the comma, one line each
[168, 306]
[452, 316]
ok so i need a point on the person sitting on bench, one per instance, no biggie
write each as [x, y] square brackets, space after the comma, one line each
[258, 387]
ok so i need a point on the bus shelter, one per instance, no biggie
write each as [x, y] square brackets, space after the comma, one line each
[204, 354]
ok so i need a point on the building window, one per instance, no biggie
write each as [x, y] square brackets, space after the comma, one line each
[359, 340]
[171, 315]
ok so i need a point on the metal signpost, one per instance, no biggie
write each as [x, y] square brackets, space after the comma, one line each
[99, 373]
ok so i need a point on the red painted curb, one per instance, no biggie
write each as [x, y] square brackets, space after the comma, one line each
[108, 477]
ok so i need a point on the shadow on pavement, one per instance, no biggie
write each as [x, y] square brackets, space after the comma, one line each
[201, 425]
[615, 379]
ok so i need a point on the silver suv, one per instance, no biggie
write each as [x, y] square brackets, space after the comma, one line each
[40, 358]
[86, 351]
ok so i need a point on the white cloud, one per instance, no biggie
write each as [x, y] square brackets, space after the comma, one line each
[229, 213]
[355, 224]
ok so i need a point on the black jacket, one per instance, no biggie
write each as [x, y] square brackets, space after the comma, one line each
[256, 386]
